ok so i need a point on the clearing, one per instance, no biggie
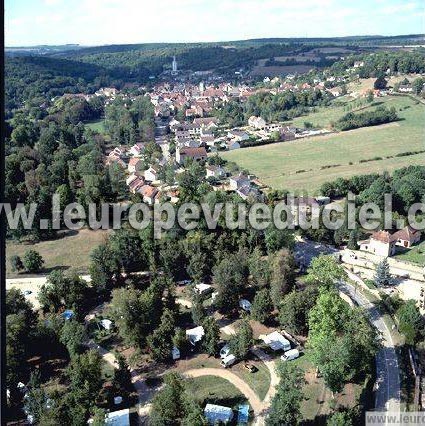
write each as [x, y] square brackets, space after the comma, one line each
[71, 252]
[304, 165]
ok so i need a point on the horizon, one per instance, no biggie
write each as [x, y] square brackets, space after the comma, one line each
[99, 23]
[356, 36]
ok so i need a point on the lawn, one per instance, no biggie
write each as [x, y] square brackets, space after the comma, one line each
[215, 390]
[298, 165]
[95, 125]
[70, 252]
[415, 255]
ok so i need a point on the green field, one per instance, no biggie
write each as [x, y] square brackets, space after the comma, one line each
[415, 255]
[95, 125]
[298, 165]
[215, 390]
[71, 252]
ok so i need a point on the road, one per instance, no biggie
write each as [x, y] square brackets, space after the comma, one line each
[387, 369]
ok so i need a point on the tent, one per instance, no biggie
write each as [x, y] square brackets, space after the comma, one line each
[118, 418]
[217, 413]
[195, 335]
[243, 413]
[276, 341]
[68, 314]
[106, 324]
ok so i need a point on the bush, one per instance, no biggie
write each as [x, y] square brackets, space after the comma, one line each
[16, 263]
[32, 261]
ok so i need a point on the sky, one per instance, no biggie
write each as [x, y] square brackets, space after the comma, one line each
[98, 22]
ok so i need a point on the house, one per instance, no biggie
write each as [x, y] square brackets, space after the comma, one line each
[134, 165]
[218, 414]
[206, 122]
[151, 174]
[238, 135]
[118, 418]
[288, 133]
[197, 154]
[231, 145]
[256, 122]
[247, 190]
[137, 149]
[207, 139]
[136, 184]
[215, 171]
[148, 193]
[381, 243]
[407, 237]
[195, 335]
[276, 341]
[405, 88]
[303, 205]
[130, 179]
[236, 182]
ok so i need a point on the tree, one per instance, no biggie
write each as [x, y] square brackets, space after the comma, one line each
[211, 338]
[72, 336]
[35, 401]
[382, 275]
[258, 268]
[198, 310]
[294, 310]
[277, 239]
[340, 418]
[352, 240]
[342, 341]
[161, 340]
[122, 377]
[286, 404]
[32, 261]
[169, 404]
[85, 375]
[242, 341]
[411, 322]
[104, 267]
[179, 338]
[126, 246]
[282, 275]
[417, 85]
[262, 306]
[380, 83]
[230, 276]
[16, 264]
[325, 272]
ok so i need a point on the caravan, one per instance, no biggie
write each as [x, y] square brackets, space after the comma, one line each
[228, 361]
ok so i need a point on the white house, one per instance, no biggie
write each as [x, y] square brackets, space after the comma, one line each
[380, 243]
[256, 122]
[215, 171]
[151, 174]
[237, 135]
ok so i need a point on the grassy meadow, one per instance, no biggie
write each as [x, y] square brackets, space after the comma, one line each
[304, 165]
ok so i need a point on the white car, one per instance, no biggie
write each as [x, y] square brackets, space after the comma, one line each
[290, 355]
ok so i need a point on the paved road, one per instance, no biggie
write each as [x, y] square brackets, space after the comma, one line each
[387, 368]
[306, 250]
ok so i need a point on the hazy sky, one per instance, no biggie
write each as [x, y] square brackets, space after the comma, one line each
[93, 22]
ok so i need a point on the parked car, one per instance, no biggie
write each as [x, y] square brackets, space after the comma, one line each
[228, 361]
[27, 292]
[224, 351]
[290, 355]
[251, 368]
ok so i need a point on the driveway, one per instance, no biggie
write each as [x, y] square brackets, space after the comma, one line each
[387, 369]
